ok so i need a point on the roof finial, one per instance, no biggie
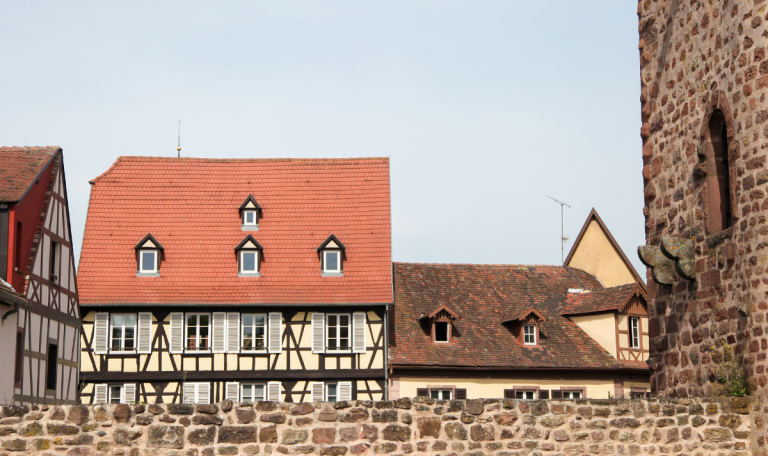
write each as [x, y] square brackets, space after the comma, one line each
[178, 148]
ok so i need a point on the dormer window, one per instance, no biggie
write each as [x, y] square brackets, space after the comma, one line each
[529, 334]
[249, 214]
[249, 257]
[442, 319]
[526, 326]
[442, 332]
[148, 257]
[331, 257]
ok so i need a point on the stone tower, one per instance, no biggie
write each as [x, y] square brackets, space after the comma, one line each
[704, 78]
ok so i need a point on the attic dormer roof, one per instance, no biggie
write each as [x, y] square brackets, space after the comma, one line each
[332, 243]
[149, 242]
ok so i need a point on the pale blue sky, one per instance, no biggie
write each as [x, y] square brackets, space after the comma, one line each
[484, 107]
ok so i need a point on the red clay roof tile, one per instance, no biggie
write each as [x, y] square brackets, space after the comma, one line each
[20, 167]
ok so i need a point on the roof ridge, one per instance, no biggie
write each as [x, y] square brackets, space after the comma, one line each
[482, 264]
[238, 160]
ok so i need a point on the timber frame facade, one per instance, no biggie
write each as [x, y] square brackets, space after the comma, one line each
[43, 357]
[237, 302]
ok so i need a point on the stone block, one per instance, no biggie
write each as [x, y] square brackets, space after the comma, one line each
[237, 434]
[122, 413]
[398, 433]
[202, 436]
[293, 436]
[79, 414]
[324, 436]
[166, 437]
[61, 429]
[181, 409]
[480, 432]
[384, 416]
[279, 418]
[268, 434]
[125, 436]
[209, 409]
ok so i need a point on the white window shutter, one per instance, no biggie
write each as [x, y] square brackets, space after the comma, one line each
[318, 333]
[101, 334]
[219, 344]
[275, 332]
[358, 333]
[190, 390]
[232, 391]
[233, 332]
[129, 393]
[318, 391]
[203, 393]
[345, 391]
[100, 394]
[144, 342]
[177, 334]
[273, 391]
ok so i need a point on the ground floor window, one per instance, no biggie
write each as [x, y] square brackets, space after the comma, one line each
[253, 392]
[572, 395]
[525, 394]
[637, 394]
[115, 394]
[331, 392]
[436, 393]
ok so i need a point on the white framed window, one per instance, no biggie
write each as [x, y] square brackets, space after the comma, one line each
[634, 332]
[529, 334]
[571, 394]
[250, 218]
[331, 261]
[525, 394]
[249, 261]
[253, 333]
[115, 394]
[332, 392]
[637, 394]
[253, 392]
[338, 332]
[442, 332]
[147, 261]
[440, 393]
[198, 331]
[54, 261]
[197, 393]
[123, 332]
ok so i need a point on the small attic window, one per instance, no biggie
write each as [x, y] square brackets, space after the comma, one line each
[442, 319]
[248, 257]
[526, 326]
[331, 257]
[148, 257]
[250, 212]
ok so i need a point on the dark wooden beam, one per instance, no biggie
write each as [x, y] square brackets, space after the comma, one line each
[278, 375]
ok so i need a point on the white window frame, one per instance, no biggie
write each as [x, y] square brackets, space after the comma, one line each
[338, 338]
[447, 332]
[55, 259]
[253, 385]
[122, 338]
[569, 394]
[441, 393]
[634, 332]
[186, 332]
[141, 261]
[325, 261]
[246, 212]
[534, 393]
[328, 393]
[637, 394]
[242, 335]
[109, 393]
[242, 261]
[532, 335]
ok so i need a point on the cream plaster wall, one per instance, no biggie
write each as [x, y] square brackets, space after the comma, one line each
[600, 327]
[596, 255]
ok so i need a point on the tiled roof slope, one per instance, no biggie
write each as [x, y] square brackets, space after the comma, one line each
[19, 166]
[8, 295]
[482, 295]
[191, 207]
[605, 300]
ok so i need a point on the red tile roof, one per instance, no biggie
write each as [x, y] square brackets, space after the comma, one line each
[191, 207]
[605, 300]
[19, 168]
[483, 295]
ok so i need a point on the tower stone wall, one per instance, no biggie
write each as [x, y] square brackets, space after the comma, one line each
[704, 78]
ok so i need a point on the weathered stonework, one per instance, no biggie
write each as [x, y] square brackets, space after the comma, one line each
[499, 428]
[704, 62]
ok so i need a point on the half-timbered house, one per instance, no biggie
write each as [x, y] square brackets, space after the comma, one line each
[40, 322]
[248, 280]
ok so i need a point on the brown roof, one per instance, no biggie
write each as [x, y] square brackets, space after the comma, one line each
[20, 167]
[483, 295]
[8, 295]
[605, 300]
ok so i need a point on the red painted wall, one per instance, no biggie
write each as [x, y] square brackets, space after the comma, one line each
[27, 211]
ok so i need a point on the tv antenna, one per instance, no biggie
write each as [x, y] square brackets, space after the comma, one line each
[562, 236]
[178, 147]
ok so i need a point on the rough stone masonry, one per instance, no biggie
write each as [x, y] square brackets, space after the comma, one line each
[419, 426]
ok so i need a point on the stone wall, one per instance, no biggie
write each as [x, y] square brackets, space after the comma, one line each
[419, 426]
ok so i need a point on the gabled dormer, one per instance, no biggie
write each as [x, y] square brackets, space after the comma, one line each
[248, 253]
[331, 253]
[149, 254]
[526, 326]
[441, 322]
[250, 213]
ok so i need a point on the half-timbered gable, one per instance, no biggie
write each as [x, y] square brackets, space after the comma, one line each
[36, 243]
[238, 306]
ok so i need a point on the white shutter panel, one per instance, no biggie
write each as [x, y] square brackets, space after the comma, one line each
[219, 344]
[129, 393]
[345, 391]
[177, 333]
[100, 394]
[275, 332]
[203, 393]
[358, 333]
[190, 390]
[273, 391]
[144, 343]
[101, 333]
[318, 391]
[232, 390]
[233, 332]
[318, 333]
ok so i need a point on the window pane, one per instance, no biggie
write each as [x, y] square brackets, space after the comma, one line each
[331, 261]
[117, 320]
[344, 319]
[343, 344]
[576, 395]
[247, 320]
[258, 392]
[147, 261]
[434, 394]
[204, 320]
[130, 320]
[260, 320]
[441, 331]
[331, 392]
[114, 395]
[331, 320]
[332, 344]
[247, 393]
[249, 261]
[249, 217]
[191, 320]
[447, 394]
